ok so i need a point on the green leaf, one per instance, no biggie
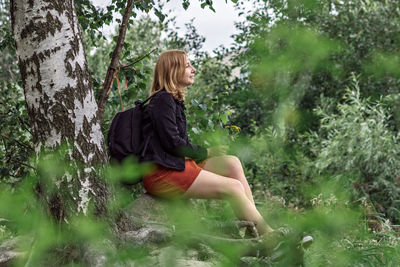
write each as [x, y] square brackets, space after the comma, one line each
[224, 118]
[185, 4]
[195, 130]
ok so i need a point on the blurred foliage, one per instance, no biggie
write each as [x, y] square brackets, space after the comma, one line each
[338, 226]
[320, 150]
[8, 60]
[363, 38]
[275, 168]
[16, 140]
[356, 146]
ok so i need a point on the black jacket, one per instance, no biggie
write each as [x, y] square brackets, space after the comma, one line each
[164, 132]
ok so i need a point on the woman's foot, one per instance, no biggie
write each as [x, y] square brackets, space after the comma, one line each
[304, 240]
[271, 241]
[283, 240]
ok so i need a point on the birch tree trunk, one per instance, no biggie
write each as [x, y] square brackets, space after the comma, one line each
[60, 99]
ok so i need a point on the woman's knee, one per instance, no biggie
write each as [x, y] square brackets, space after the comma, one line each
[233, 188]
[234, 165]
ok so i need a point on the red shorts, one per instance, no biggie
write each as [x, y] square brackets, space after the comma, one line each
[169, 183]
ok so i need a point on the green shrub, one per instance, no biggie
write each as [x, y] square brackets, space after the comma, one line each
[16, 139]
[275, 166]
[356, 146]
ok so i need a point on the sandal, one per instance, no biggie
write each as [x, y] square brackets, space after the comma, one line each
[273, 242]
[287, 232]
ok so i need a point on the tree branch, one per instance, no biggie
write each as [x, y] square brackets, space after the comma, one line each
[10, 157]
[22, 163]
[24, 123]
[5, 145]
[112, 68]
[139, 58]
[19, 142]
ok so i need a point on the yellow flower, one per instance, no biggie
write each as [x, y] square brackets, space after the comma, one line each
[233, 127]
[236, 128]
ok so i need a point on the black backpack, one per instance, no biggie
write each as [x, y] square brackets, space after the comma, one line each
[125, 133]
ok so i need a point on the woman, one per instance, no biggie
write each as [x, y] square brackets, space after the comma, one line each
[217, 176]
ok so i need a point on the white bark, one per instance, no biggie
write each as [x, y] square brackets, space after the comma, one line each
[58, 90]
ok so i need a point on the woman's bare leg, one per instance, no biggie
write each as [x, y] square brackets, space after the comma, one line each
[209, 185]
[229, 166]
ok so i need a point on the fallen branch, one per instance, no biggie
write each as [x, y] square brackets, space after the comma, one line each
[249, 246]
[233, 227]
[244, 241]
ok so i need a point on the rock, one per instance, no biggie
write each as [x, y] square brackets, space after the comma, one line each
[96, 256]
[173, 256]
[151, 223]
[147, 210]
[9, 244]
[149, 235]
[153, 228]
[7, 257]
[206, 253]
[194, 263]
[8, 253]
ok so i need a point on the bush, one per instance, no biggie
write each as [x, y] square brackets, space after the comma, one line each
[16, 139]
[356, 146]
[275, 167]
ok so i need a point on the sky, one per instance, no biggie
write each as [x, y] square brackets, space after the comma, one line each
[216, 27]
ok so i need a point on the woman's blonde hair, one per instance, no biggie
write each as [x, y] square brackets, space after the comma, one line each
[169, 72]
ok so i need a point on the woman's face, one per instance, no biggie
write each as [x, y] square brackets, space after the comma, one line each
[188, 77]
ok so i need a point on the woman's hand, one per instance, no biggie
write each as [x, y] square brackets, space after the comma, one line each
[217, 151]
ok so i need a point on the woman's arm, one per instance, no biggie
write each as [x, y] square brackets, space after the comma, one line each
[163, 114]
[217, 151]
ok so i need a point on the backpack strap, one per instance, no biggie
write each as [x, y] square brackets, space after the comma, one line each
[111, 133]
[141, 103]
[147, 100]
